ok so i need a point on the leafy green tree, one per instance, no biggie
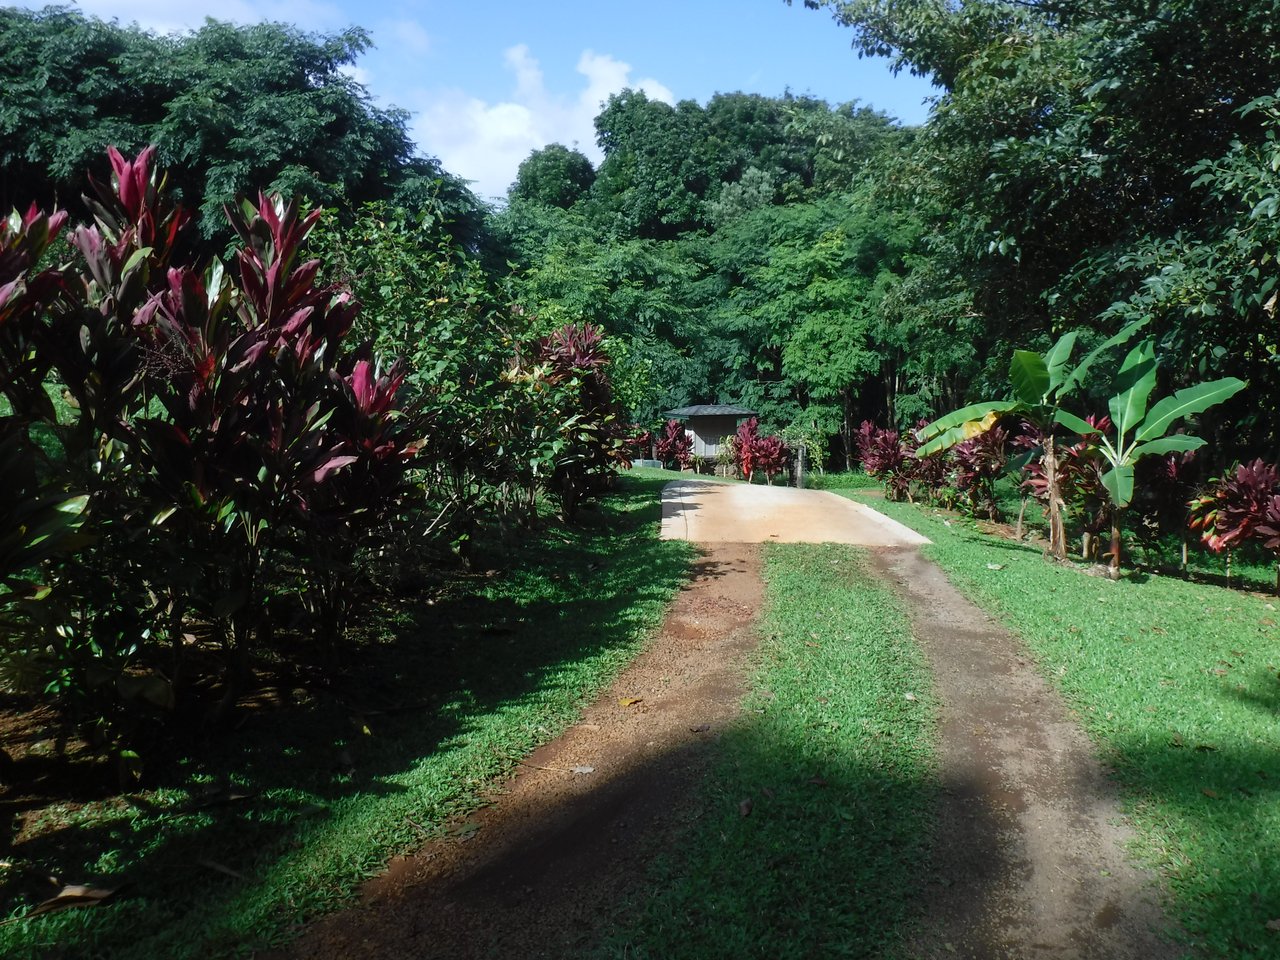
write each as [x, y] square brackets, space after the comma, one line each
[230, 108]
[555, 176]
[1090, 153]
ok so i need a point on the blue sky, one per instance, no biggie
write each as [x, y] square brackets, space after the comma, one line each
[488, 82]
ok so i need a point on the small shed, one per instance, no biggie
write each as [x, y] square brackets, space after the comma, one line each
[707, 423]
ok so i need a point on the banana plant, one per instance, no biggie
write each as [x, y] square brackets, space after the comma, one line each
[1139, 430]
[1039, 384]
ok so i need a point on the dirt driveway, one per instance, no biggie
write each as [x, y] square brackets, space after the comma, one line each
[1028, 858]
[708, 512]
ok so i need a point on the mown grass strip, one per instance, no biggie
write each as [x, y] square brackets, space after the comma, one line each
[458, 691]
[1177, 683]
[817, 814]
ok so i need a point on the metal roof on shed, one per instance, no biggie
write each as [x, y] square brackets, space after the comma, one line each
[710, 410]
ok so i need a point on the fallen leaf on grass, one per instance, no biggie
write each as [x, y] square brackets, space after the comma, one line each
[817, 781]
[744, 808]
[220, 868]
[629, 701]
[909, 696]
[995, 566]
[1211, 794]
[72, 896]
[767, 792]
[1273, 925]
[584, 769]
[219, 796]
[809, 644]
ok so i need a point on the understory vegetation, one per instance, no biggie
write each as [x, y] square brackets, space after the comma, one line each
[331, 771]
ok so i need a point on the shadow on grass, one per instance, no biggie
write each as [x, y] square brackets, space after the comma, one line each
[442, 698]
[823, 864]
[1217, 802]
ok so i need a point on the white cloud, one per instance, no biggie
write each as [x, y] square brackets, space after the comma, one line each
[485, 142]
[357, 73]
[408, 34]
[164, 16]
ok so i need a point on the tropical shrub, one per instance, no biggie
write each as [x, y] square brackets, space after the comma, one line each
[224, 445]
[675, 446]
[772, 456]
[587, 443]
[1080, 467]
[637, 442]
[1239, 506]
[744, 447]
[979, 462]
[886, 457]
[932, 475]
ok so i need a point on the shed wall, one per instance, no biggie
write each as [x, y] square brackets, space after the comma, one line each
[707, 431]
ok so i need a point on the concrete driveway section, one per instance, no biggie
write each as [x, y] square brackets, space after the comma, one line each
[707, 512]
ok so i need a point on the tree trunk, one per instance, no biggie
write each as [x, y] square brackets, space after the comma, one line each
[1113, 569]
[846, 429]
[1020, 530]
[1057, 531]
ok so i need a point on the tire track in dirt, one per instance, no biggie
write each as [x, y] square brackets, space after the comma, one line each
[549, 863]
[1028, 860]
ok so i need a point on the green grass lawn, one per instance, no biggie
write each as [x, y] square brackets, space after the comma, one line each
[1177, 683]
[837, 763]
[442, 698]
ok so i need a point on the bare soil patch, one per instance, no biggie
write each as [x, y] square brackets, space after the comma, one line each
[707, 512]
[1028, 860]
[542, 871]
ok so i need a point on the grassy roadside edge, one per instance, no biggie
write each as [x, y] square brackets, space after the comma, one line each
[580, 602]
[1176, 683]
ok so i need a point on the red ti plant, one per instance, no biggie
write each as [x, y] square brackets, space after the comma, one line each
[885, 457]
[675, 446]
[217, 428]
[637, 442]
[770, 454]
[587, 446]
[744, 445]
[261, 414]
[932, 473]
[1239, 506]
[978, 464]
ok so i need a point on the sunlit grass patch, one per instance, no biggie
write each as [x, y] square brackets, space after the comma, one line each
[1177, 683]
[819, 807]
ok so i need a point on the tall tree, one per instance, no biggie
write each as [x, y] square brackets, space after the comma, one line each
[231, 108]
[555, 176]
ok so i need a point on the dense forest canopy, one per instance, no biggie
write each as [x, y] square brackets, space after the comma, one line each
[1085, 163]
[232, 109]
